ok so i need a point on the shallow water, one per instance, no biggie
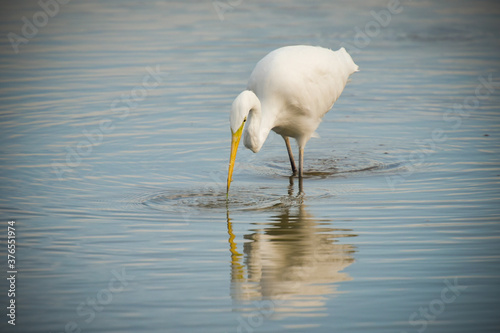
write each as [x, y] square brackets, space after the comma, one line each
[115, 144]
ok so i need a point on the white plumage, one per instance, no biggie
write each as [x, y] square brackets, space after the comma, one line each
[289, 92]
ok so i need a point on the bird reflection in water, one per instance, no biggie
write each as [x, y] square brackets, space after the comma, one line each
[292, 260]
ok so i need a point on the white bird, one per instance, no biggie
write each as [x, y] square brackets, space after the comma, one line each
[289, 92]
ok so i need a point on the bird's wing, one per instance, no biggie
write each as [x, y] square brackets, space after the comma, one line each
[306, 78]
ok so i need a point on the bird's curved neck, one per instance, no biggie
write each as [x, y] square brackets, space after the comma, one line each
[257, 128]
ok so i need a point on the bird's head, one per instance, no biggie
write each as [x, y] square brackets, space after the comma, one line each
[240, 109]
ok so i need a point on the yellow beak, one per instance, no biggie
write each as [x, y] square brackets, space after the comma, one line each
[235, 141]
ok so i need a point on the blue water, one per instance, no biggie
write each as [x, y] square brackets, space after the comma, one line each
[115, 144]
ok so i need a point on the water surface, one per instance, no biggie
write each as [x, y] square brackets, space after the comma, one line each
[115, 144]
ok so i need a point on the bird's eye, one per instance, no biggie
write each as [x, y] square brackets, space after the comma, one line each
[244, 120]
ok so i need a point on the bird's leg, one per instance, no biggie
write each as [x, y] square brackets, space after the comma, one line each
[301, 161]
[290, 154]
[301, 191]
[290, 187]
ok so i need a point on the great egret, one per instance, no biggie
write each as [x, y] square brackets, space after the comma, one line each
[289, 92]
